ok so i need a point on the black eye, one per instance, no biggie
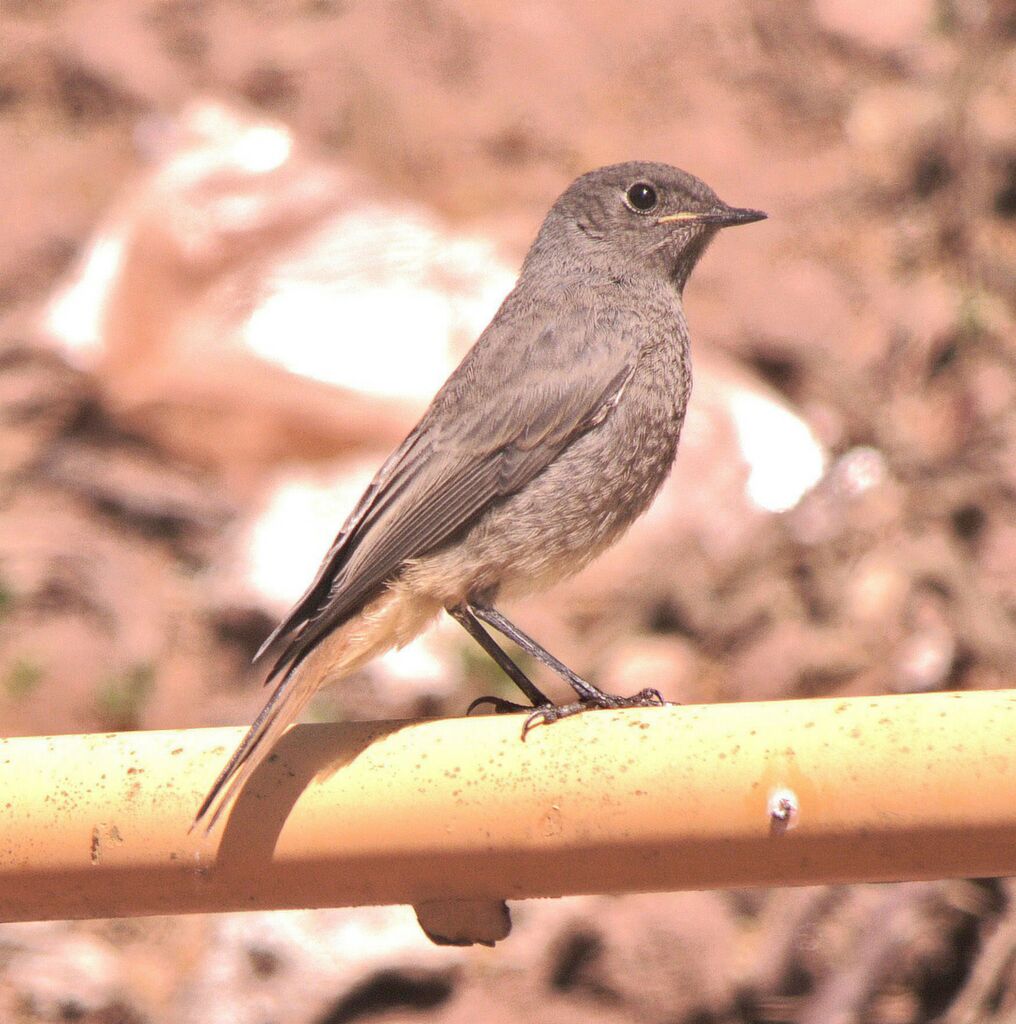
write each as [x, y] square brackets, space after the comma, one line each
[642, 196]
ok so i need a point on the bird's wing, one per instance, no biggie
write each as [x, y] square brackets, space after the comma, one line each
[521, 395]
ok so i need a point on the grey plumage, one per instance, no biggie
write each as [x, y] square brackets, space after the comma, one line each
[552, 435]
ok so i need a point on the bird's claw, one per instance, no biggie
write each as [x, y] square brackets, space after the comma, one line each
[499, 704]
[548, 713]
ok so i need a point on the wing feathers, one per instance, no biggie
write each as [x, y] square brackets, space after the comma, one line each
[324, 581]
[501, 418]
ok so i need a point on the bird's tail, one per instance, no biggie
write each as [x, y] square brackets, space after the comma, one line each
[288, 699]
[392, 620]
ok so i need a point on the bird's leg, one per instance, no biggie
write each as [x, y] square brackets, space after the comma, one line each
[589, 696]
[585, 690]
[464, 616]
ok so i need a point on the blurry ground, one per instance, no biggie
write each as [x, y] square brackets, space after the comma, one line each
[191, 186]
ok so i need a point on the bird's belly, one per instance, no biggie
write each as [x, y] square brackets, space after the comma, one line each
[563, 517]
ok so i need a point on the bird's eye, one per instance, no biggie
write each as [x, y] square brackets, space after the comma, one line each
[641, 196]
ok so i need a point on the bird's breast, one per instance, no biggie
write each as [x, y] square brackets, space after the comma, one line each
[592, 491]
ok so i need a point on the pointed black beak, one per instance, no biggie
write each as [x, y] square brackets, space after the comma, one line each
[732, 215]
[724, 216]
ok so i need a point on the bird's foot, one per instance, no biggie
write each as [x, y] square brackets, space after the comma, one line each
[548, 713]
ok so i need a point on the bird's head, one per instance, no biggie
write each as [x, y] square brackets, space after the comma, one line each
[636, 216]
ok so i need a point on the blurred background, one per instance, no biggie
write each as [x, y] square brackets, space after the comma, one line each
[241, 246]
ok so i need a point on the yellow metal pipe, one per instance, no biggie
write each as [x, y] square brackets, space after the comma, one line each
[787, 793]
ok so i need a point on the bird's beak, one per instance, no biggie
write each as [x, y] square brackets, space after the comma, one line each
[724, 216]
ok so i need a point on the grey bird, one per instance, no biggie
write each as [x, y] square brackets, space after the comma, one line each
[552, 435]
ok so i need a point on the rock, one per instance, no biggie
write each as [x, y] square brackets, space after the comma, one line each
[244, 306]
[898, 27]
[62, 975]
[297, 966]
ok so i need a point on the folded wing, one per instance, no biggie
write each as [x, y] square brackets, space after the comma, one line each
[521, 395]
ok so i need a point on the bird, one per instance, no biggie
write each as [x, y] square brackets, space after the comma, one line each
[548, 440]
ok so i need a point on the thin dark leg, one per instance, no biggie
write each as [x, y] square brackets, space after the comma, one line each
[585, 690]
[464, 616]
[589, 696]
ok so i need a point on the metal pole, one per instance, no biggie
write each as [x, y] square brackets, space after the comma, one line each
[787, 793]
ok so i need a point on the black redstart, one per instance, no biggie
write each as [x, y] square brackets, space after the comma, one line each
[552, 435]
